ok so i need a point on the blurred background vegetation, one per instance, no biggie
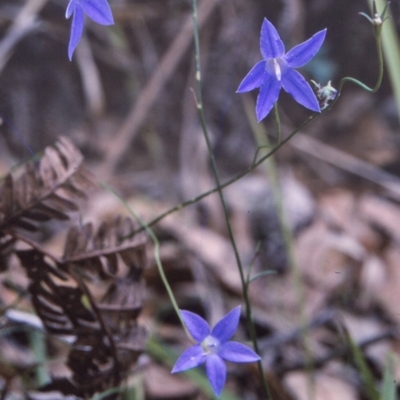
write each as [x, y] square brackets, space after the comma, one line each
[126, 101]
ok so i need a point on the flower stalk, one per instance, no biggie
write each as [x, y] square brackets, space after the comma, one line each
[199, 104]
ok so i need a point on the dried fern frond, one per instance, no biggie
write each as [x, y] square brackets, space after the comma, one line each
[56, 296]
[45, 189]
[95, 294]
[102, 248]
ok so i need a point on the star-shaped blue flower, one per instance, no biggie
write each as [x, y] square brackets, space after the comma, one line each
[98, 10]
[276, 70]
[213, 347]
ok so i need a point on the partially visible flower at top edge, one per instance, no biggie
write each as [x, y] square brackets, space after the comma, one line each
[98, 10]
[276, 70]
[213, 347]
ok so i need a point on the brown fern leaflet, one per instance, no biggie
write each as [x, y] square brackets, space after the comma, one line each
[45, 189]
[40, 191]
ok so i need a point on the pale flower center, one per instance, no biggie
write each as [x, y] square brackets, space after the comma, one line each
[274, 68]
[210, 344]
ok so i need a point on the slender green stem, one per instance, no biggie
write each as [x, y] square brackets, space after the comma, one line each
[237, 177]
[220, 186]
[278, 123]
[156, 251]
[256, 162]
[199, 104]
[380, 73]
[377, 34]
[391, 47]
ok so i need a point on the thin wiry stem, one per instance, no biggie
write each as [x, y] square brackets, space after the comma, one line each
[220, 186]
[199, 104]
[156, 251]
[256, 162]
[237, 177]
[377, 34]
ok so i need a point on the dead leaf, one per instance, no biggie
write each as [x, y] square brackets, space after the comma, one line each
[320, 386]
[161, 384]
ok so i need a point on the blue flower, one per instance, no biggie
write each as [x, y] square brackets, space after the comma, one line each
[98, 10]
[277, 70]
[213, 347]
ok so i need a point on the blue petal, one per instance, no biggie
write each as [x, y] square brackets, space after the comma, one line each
[237, 352]
[227, 326]
[304, 52]
[216, 373]
[190, 358]
[254, 78]
[99, 11]
[269, 93]
[76, 30]
[294, 84]
[196, 325]
[271, 44]
[70, 8]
